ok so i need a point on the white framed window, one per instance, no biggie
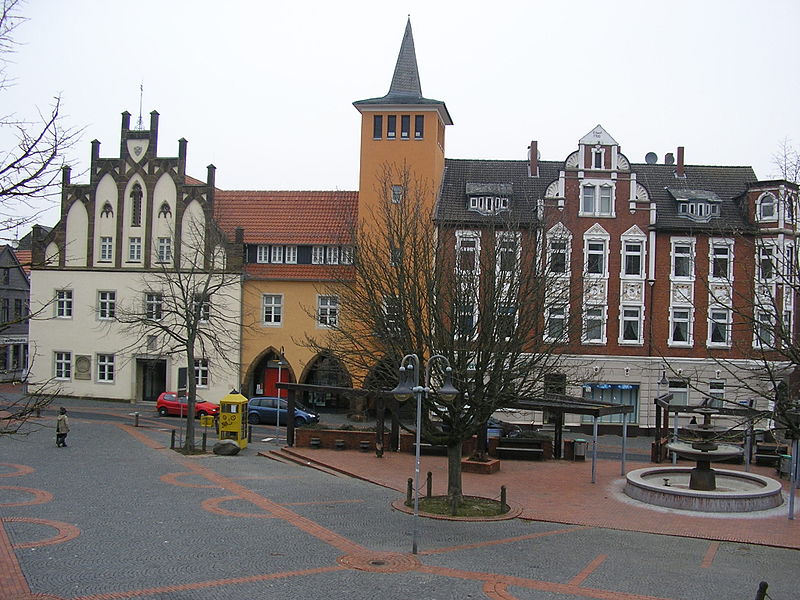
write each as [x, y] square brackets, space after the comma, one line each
[63, 304]
[397, 194]
[106, 305]
[106, 249]
[764, 329]
[787, 328]
[508, 251]
[767, 208]
[716, 393]
[597, 199]
[164, 249]
[556, 324]
[318, 255]
[105, 368]
[468, 246]
[63, 365]
[347, 255]
[682, 259]
[506, 321]
[719, 327]
[631, 325]
[153, 306]
[201, 305]
[135, 249]
[766, 262]
[392, 315]
[467, 318]
[327, 311]
[721, 260]
[262, 253]
[290, 256]
[680, 327]
[558, 256]
[332, 255]
[596, 251]
[679, 388]
[597, 158]
[594, 325]
[201, 372]
[632, 258]
[273, 309]
[277, 254]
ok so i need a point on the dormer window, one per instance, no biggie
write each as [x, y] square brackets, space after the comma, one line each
[487, 205]
[697, 205]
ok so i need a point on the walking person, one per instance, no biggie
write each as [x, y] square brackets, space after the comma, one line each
[62, 427]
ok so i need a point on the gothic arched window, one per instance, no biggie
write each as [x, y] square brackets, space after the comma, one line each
[136, 206]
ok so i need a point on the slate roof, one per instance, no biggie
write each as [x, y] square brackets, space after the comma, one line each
[727, 183]
[287, 217]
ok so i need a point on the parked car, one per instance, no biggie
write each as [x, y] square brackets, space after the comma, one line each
[506, 429]
[169, 403]
[263, 409]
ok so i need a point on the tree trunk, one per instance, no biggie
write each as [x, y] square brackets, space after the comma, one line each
[454, 492]
[191, 393]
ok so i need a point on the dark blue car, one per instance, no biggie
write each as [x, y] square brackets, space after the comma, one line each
[264, 409]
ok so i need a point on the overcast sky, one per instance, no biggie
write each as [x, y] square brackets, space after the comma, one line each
[264, 90]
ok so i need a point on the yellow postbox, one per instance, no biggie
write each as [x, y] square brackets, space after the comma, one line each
[233, 419]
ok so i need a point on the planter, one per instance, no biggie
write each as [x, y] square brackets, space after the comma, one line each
[481, 467]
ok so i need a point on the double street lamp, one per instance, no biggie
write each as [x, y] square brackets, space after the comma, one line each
[409, 386]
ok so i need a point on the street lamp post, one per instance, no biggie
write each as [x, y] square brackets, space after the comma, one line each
[280, 400]
[408, 386]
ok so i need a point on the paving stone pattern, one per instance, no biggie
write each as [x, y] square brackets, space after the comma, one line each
[118, 515]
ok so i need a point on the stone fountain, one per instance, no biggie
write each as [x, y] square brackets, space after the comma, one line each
[703, 488]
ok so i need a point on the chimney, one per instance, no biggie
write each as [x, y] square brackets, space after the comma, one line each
[126, 120]
[533, 159]
[212, 172]
[182, 155]
[679, 171]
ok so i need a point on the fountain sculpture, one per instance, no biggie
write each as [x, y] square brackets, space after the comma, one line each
[703, 488]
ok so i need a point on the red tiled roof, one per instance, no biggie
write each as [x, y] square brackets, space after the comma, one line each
[24, 258]
[298, 272]
[288, 217]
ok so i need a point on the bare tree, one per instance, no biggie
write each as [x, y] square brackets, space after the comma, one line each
[474, 294]
[30, 169]
[188, 308]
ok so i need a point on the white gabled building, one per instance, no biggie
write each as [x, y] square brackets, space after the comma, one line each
[139, 217]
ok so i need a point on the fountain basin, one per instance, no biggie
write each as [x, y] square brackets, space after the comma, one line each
[736, 491]
[720, 453]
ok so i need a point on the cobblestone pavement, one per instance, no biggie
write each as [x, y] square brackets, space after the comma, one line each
[118, 515]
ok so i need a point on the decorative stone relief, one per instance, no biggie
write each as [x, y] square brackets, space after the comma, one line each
[681, 293]
[622, 163]
[641, 193]
[572, 161]
[632, 291]
[719, 293]
[137, 149]
[552, 190]
[595, 291]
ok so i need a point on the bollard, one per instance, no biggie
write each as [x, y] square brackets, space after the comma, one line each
[249, 434]
[502, 499]
[409, 491]
[172, 441]
[37, 412]
[205, 439]
[135, 416]
[429, 484]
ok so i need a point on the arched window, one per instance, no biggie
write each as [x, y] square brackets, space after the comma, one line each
[165, 211]
[767, 208]
[136, 206]
[107, 211]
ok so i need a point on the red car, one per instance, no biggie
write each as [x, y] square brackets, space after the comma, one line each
[169, 403]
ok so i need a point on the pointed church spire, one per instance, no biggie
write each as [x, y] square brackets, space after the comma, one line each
[405, 81]
[405, 89]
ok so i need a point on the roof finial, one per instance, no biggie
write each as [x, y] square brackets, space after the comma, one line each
[140, 122]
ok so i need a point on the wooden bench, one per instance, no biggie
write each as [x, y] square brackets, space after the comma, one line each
[520, 453]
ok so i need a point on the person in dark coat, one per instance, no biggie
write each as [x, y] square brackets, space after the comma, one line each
[62, 427]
